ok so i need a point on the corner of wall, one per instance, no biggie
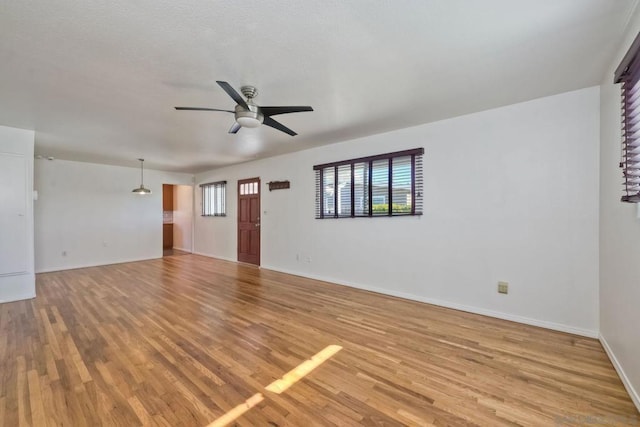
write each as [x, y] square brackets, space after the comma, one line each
[633, 393]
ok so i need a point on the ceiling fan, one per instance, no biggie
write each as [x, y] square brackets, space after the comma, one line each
[250, 115]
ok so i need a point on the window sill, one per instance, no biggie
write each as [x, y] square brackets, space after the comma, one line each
[367, 216]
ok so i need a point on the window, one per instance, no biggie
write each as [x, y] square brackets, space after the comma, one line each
[248, 188]
[383, 185]
[628, 73]
[213, 198]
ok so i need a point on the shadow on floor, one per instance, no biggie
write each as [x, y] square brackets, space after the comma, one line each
[173, 252]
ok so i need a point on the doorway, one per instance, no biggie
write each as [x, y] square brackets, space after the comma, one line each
[249, 221]
[177, 224]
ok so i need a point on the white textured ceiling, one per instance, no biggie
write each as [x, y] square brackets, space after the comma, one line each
[98, 80]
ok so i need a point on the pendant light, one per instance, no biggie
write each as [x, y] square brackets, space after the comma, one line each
[141, 189]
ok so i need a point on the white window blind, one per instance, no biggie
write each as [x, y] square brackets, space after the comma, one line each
[628, 73]
[214, 198]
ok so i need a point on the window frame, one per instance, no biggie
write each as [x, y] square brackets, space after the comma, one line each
[628, 73]
[415, 191]
[211, 200]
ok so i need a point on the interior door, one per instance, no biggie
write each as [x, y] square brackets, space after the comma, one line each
[249, 221]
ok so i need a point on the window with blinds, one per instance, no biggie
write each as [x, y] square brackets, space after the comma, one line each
[628, 73]
[383, 185]
[214, 198]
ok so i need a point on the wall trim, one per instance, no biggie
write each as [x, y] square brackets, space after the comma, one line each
[456, 306]
[633, 393]
[182, 249]
[215, 256]
[77, 266]
[19, 273]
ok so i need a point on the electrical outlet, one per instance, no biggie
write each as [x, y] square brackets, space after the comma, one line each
[503, 287]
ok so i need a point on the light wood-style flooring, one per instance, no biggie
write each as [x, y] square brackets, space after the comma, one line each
[182, 340]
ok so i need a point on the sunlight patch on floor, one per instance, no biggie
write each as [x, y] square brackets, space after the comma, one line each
[279, 386]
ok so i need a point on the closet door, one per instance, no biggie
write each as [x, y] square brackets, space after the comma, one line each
[13, 211]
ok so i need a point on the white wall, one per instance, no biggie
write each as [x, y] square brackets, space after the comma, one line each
[510, 194]
[20, 286]
[619, 240]
[88, 211]
[182, 217]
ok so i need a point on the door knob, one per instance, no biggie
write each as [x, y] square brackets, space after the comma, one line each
[257, 224]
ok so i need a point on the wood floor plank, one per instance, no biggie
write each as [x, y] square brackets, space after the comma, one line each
[24, 411]
[182, 340]
[3, 403]
[36, 400]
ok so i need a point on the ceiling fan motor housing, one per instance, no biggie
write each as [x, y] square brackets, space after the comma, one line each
[250, 118]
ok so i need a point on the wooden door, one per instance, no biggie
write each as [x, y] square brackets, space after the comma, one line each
[249, 221]
[167, 197]
[167, 236]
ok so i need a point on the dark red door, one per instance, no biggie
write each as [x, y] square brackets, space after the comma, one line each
[249, 221]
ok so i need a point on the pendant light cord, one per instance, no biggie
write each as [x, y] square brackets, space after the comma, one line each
[141, 173]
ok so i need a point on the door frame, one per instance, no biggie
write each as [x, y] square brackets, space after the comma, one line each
[257, 222]
[194, 212]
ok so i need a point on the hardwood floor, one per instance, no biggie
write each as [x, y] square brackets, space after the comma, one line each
[173, 252]
[182, 340]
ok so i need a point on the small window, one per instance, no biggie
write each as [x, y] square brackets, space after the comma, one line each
[383, 185]
[214, 198]
[248, 188]
[628, 73]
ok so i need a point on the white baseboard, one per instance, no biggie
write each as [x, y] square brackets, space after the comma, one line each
[470, 309]
[182, 249]
[74, 267]
[635, 397]
[214, 256]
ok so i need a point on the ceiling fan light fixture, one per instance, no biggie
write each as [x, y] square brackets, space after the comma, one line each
[248, 122]
[249, 118]
[141, 189]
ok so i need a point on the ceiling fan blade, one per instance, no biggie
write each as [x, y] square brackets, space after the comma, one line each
[277, 125]
[235, 128]
[272, 111]
[233, 94]
[201, 109]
